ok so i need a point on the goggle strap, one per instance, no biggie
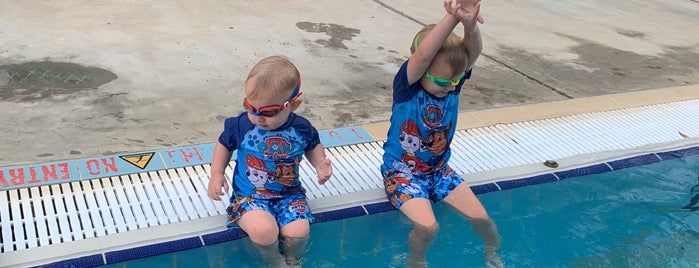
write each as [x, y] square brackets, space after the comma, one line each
[296, 91]
[416, 42]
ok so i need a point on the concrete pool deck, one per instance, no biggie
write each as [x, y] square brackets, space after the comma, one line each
[165, 74]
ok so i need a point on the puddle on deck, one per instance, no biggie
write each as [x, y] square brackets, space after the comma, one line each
[34, 81]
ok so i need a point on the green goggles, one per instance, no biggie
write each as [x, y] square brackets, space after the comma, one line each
[443, 82]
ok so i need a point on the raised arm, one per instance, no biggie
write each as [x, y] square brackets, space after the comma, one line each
[468, 12]
[473, 43]
[429, 46]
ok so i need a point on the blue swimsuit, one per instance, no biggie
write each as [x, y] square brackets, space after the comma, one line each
[416, 151]
[266, 173]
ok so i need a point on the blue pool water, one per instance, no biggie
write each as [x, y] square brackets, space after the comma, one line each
[626, 218]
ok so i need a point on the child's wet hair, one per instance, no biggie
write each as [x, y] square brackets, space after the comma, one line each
[453, 49]
[275, 73]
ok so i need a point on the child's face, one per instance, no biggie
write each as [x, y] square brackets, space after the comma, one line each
[441, 69]
[266, 98]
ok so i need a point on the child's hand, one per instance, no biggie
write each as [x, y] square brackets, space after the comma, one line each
[216, 184]
[467, 11]
[324, 170]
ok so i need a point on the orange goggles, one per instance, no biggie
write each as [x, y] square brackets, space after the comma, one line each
[274, 109]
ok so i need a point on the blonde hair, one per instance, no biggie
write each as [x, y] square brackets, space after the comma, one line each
[276, 74]
[452, 49]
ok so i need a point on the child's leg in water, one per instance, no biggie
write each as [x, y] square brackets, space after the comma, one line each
[465, 202]
[295, 236]
[270, 254]
[425, 228]
[419, 240]
[486, 229]
[293, 248]
[263, 231]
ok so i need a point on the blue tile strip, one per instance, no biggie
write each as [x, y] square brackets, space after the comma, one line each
[344, 136]
[237, 233]
[583, 171]
[86, 261]
[15, 177]
[505, 185]
[152, 250]
[223, 236]
[634, 161]
[379, 207]
[339, 214]
[484, 188]
[679, 153]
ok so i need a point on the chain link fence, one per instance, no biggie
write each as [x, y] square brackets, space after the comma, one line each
[47, 77]
[38, 80]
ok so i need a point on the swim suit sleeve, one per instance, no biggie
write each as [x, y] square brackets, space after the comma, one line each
[306, 130]
[401, 90]
[233, 128]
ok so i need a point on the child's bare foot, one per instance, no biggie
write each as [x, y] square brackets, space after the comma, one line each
[294, 262]
[416, 262]
[492, 259]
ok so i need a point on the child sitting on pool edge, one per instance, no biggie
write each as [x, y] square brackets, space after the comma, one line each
[268, 199]
[424, 115]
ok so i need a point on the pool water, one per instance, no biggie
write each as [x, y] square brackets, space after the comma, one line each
[626, 218]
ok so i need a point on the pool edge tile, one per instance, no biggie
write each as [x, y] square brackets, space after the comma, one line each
[152, 250]
[94, 260]
[583, 171]
[484, 188]
[511, 184]
[679, 153]
[223, 236]
[634, 161]
[379, 207]
[339, 214]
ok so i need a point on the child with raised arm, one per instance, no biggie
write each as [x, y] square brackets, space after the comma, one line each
[268, 200]
[425, 108]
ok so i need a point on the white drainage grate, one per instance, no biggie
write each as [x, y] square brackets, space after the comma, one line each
[45, 215]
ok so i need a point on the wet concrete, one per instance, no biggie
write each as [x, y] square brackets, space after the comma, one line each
[167, 74]
[601, 69]
[337, 33]
[35, 81]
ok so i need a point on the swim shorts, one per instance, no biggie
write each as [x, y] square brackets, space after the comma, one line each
[401, 187]
[285, 210]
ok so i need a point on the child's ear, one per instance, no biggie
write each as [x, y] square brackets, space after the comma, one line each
[295, 104]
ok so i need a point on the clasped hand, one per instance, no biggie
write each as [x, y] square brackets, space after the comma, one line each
[467, 11]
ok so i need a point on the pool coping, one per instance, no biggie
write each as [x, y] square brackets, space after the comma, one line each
[171, 237]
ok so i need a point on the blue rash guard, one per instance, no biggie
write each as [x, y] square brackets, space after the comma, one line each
[422, 127]
[267, 164]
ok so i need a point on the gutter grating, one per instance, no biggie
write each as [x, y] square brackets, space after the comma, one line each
[52, 214]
